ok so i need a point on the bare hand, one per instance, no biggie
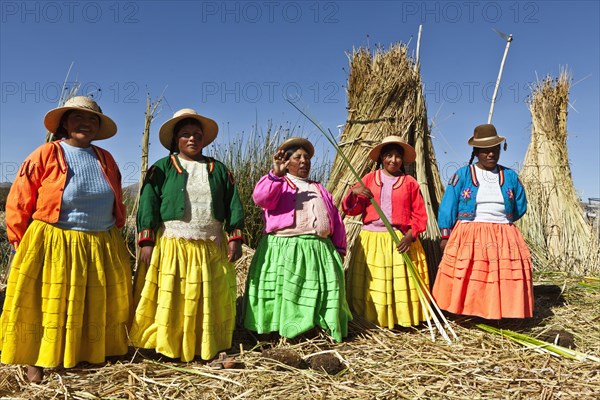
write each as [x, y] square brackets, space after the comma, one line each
[280, 164]
[443, 244]
[405, 243]
[234, 250]
[362, 191]
[146, 254]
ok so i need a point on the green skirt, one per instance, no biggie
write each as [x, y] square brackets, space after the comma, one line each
[295, 284]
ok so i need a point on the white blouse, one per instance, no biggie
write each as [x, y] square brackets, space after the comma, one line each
[489, 201]
[198, 222]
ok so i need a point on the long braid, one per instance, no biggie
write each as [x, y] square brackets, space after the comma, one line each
[472, 157]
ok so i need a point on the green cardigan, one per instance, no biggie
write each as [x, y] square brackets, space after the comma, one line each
[163, 198]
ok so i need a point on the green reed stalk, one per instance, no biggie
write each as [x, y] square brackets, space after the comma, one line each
[425, 297]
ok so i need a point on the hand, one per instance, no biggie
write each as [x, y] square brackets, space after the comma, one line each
[405, 243]
[360, 190]
[443, 244]
[234, 250]
[280, 164]
[146, 254]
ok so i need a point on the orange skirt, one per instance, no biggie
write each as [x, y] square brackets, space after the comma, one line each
[486, 272]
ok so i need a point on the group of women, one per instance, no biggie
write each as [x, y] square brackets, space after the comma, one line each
[70, 297]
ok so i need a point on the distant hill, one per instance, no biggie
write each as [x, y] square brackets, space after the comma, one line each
[131, 190]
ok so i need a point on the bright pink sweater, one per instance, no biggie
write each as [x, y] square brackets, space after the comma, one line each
[277, 197]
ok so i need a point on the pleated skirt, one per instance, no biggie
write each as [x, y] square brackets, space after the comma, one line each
[68, 298]
[380, 288]
[295, 284]
[485, 272]
[186, 304]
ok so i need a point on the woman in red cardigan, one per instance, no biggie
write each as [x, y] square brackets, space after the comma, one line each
[380, 288]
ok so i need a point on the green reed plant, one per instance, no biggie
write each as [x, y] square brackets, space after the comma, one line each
[425, 298]
[539, 345]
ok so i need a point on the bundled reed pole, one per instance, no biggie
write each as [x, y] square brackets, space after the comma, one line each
[508, 39]
[554, 226]
[385, 97]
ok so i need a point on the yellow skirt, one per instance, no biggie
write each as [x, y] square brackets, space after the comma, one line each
[380, 288]
[68, 298]
[186, 304]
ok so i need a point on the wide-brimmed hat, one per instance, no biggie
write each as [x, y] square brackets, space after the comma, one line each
[485, 136]
[209, 127]
[409, 155]
[296, 141]
[52, 119]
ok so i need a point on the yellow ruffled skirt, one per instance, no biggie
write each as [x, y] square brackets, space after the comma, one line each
[68, 298]
[186, 304]
[380, 288]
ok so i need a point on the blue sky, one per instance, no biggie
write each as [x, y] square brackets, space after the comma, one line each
[237, 61]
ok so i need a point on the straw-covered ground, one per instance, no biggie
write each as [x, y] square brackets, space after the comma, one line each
[371, 363]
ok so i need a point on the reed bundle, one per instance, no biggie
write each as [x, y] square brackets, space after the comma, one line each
[554, 226]
[385, 97]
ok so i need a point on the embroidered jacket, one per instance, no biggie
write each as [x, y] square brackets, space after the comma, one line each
[277, 197]
[163, 198]
[458, 202]
[408, 207]
[36, 192]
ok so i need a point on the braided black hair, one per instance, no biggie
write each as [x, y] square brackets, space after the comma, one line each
[472, 157]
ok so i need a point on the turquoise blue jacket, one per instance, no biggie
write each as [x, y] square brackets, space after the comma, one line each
[458, 202]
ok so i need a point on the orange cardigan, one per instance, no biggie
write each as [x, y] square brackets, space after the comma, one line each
[408, 210]
[37, 190]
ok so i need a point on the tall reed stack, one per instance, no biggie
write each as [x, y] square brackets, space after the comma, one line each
[385, 97]
[554, 226]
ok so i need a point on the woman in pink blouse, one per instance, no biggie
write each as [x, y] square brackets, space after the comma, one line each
[296, 278]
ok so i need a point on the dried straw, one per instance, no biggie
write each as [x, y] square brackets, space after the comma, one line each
[554, 226]
[385, 96]
[379, 364]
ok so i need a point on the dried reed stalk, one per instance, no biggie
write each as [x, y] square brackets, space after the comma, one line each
[554, 226]
[378, 364]
[385, 97]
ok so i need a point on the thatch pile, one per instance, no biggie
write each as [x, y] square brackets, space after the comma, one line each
[385, 97]
[554, 226]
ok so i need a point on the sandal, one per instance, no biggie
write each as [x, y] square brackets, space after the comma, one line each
[223, 362]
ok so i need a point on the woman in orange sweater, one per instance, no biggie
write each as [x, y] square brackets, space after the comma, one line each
[380, 288]
[69, 288]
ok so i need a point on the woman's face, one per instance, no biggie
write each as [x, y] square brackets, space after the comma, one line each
[82, 127]
[189, 141]
[392, 161]
[299, 163]
[488, 157]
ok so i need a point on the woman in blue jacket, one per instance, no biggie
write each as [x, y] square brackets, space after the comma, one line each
[486, 267]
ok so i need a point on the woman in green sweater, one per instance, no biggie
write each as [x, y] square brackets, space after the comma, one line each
[185, 284]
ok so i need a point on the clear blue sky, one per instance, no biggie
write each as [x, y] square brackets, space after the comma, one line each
[236, 62]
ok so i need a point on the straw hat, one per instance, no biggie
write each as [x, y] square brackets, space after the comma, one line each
[296, 141]
[409, 155]
[485, 136]
[52, 119]
[209, 127]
